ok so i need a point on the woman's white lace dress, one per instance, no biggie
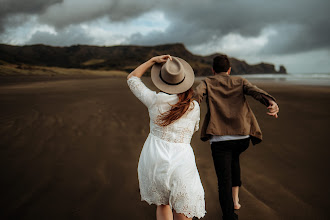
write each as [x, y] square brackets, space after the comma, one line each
[167, 170]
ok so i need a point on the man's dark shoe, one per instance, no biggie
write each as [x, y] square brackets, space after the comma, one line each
[233, 217]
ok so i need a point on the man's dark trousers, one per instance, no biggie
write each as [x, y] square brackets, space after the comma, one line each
[226, 162]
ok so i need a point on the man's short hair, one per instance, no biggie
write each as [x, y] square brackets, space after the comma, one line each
[221, 64]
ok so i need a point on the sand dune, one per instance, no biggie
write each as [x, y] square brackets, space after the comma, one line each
[69, 150]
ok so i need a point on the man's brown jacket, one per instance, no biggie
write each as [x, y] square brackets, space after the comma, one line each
[228, 112]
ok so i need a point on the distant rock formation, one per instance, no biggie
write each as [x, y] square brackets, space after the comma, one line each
[124, 58]
[282, 69]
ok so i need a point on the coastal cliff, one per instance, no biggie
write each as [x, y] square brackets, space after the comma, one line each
[122, 58]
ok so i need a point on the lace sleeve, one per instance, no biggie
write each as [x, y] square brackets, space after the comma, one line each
[143, 93]
[196, 115]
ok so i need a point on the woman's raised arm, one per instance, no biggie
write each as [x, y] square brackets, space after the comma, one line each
[140, 70]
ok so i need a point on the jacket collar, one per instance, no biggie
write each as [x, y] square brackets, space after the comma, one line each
[220, 74]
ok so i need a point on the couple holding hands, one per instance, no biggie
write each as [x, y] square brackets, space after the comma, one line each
[167, 172]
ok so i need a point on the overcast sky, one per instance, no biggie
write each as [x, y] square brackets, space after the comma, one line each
[295, 33]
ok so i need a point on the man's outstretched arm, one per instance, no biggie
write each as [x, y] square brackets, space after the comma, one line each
[261, 96]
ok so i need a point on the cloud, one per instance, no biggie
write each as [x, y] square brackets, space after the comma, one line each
[67, 37]
[13, 7]
[296, 38]
[235, 44]
[301, 25]
[78, 11]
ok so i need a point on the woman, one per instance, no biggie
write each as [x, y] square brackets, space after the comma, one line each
[167, 172]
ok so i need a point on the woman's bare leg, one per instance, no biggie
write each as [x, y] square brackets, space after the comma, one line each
[179, 216]
[164, 212]
[235, 190]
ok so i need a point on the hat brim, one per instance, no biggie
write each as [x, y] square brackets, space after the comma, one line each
[173, 89]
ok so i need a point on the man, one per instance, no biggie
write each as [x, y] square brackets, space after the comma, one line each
[229, 125]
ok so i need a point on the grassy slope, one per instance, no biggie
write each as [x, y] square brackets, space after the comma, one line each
[13, 70]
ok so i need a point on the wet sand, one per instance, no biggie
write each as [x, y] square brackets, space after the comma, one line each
[70, 148]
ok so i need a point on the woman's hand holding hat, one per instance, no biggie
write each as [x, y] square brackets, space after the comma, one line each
[140, 70]
[161, 59]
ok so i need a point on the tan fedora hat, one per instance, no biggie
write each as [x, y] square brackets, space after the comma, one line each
[174, 76]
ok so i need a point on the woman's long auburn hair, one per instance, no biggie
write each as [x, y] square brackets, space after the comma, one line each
[177, 110]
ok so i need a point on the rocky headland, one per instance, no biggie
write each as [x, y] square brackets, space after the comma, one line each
[119, 58]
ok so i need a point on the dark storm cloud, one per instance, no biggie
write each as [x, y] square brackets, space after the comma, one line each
[298, 38]
[176, 32]
[14, 7]
[78, 11]
[302, 25]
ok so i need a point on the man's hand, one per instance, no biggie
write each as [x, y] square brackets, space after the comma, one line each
[273, 108]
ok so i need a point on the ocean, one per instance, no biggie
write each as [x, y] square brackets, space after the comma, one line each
[317, 79]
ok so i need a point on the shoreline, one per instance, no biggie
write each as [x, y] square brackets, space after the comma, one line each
[290, 79]
[6, 80]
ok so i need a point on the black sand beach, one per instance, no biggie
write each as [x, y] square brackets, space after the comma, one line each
[70, 148]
